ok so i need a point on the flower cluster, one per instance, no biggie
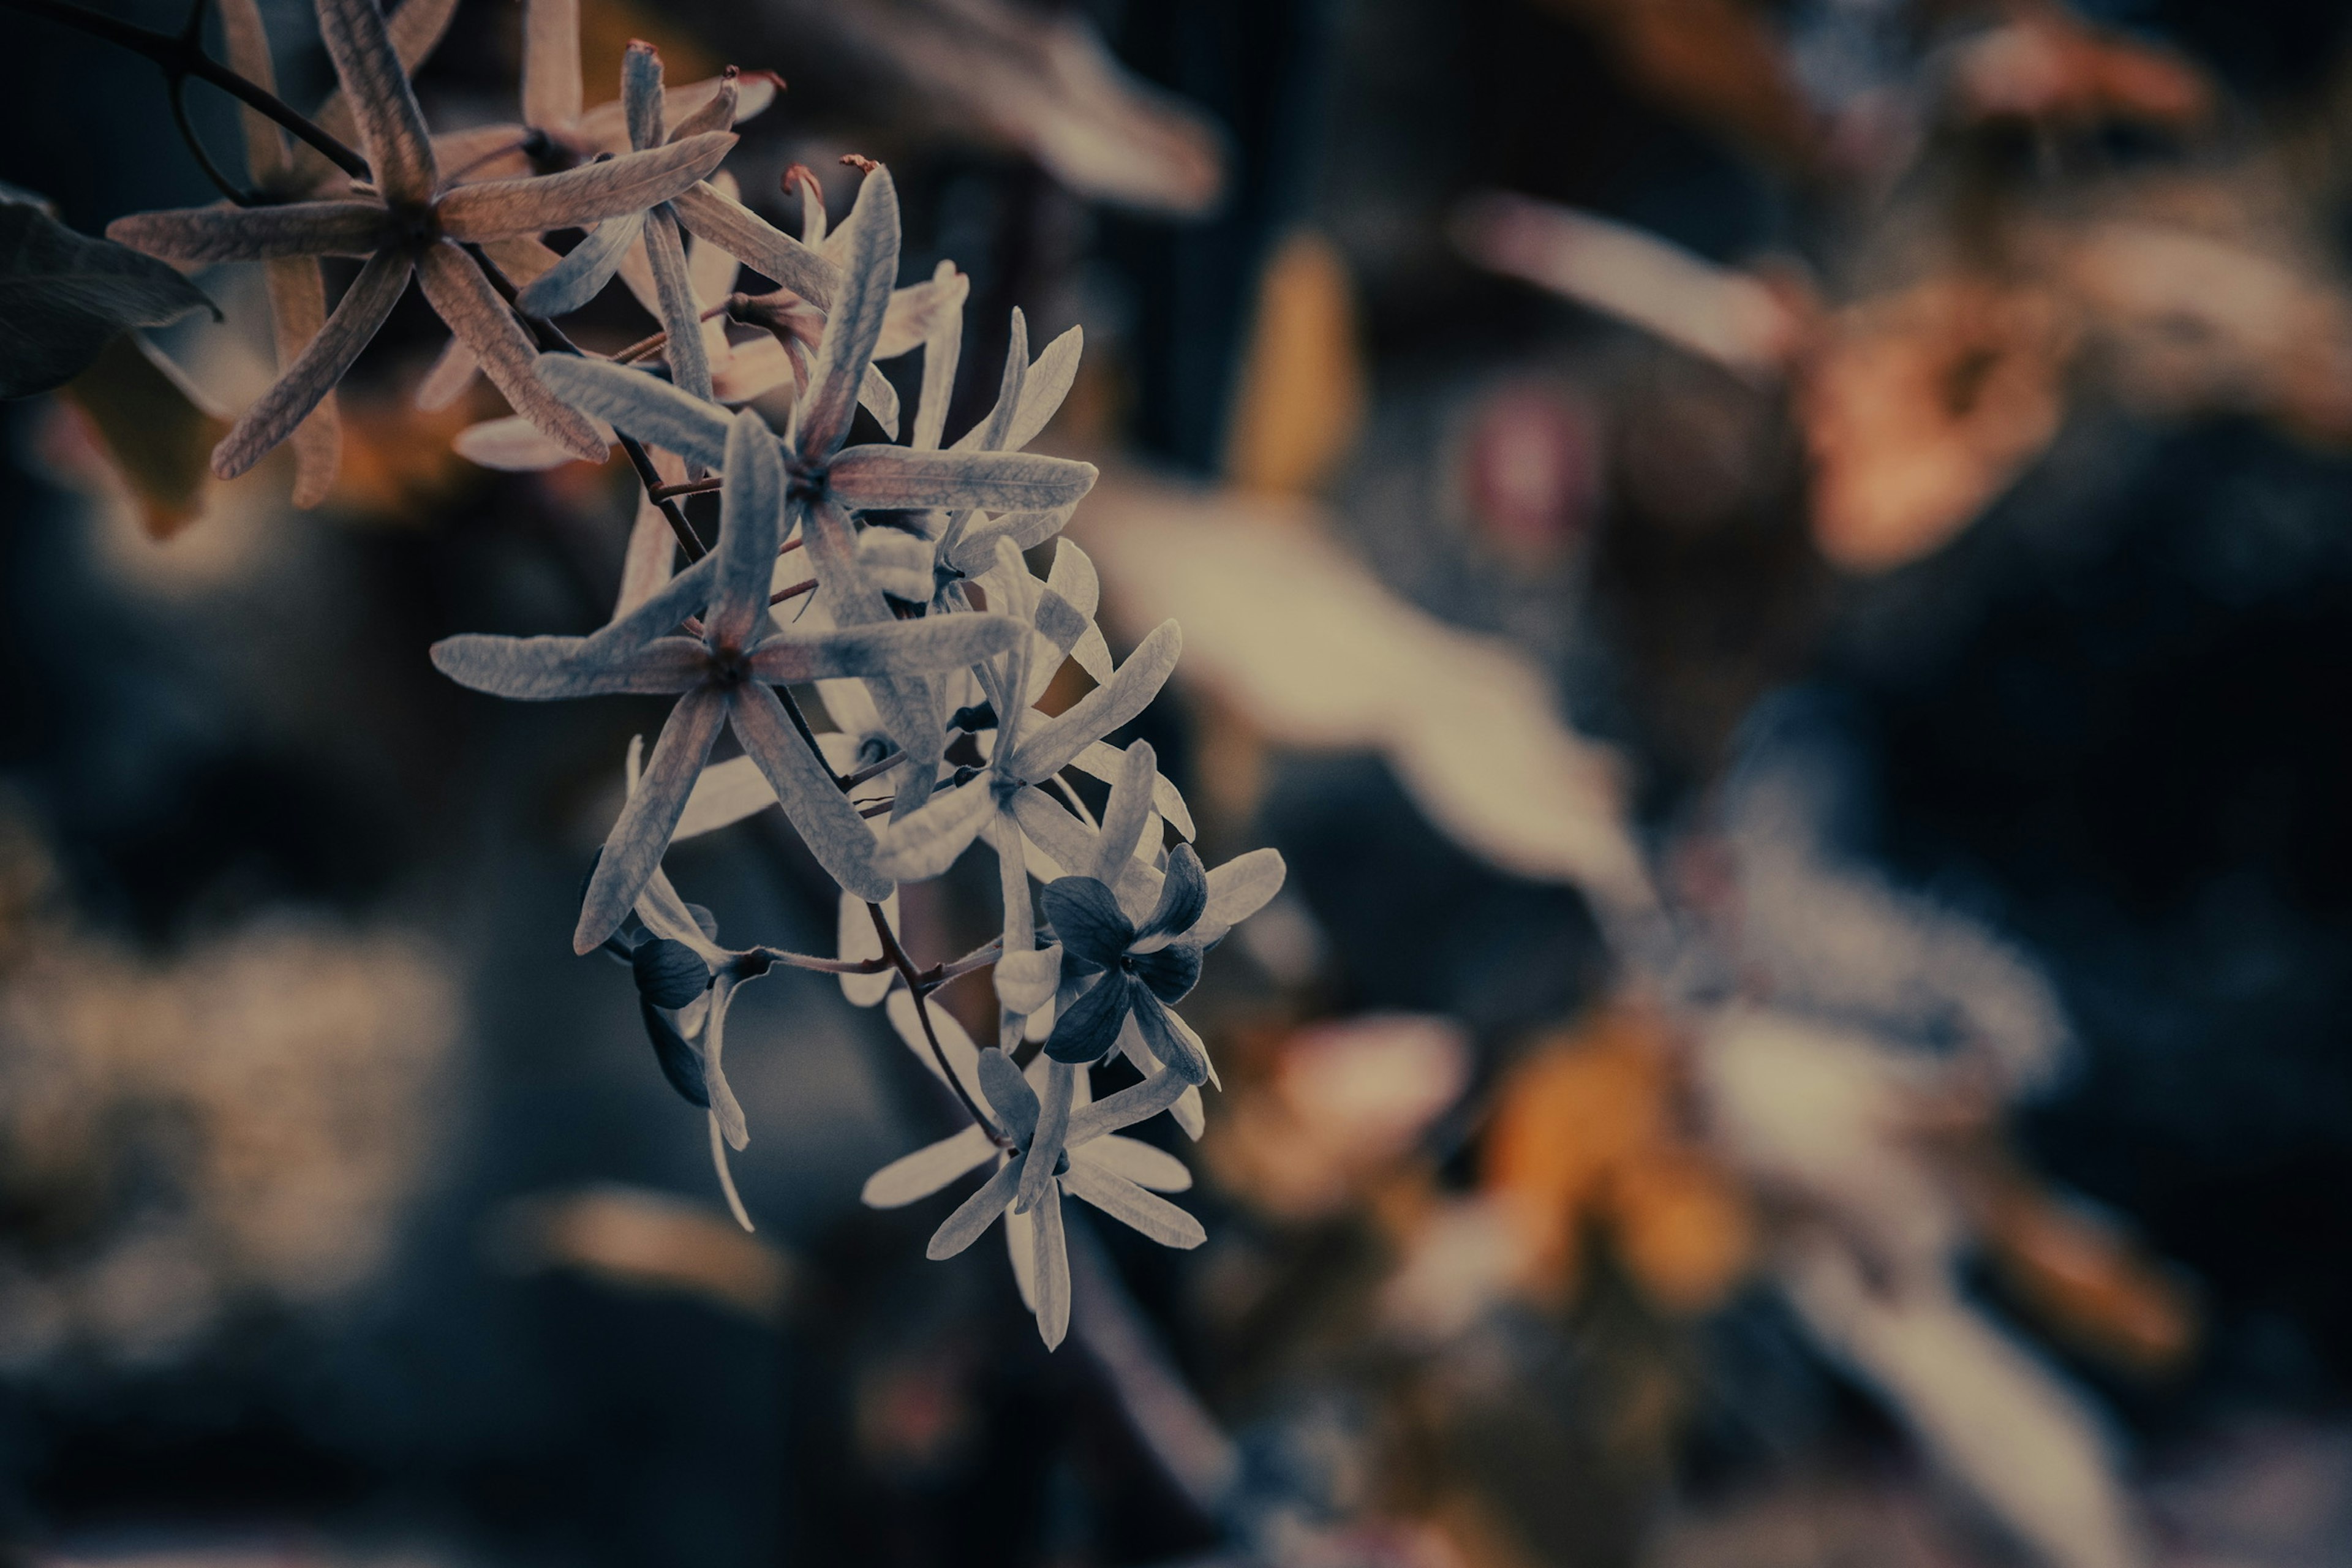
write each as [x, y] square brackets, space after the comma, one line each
[919, 625]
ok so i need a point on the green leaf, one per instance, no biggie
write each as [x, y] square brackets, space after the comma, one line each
[64, 296]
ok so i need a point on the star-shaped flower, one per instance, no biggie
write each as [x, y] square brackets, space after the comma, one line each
[827, 482]
[1046, 1147]
[1144, 970]
[722, 674]
[415, 222]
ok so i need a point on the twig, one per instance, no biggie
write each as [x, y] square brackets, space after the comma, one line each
[183, 57]
[920, 987]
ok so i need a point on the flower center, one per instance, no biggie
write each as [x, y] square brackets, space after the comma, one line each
[415, 225]
[729, 666]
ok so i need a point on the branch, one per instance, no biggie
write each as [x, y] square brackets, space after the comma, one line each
[183, 57]
[919, 988]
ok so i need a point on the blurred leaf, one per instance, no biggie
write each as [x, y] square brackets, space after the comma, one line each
[64, 295]
[156, 435]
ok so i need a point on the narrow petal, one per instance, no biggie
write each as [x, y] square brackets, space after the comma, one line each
[193, 235]
[703, 106]
[856, 940]
[900, 478]
[309, 379]
[376, 89]
[987, 436]
[641, 96]
[883, 647]
[1020, 1243]
[1103, 760]
[635, 845]
[1045, 387]
[919, 1174]
[1009, 1097]
[725, 795]
[523, 258]
[298, 310]
[1050, 1276]
[942, 348]
[1026, 981]
[1138, 1162]
[854, 321]
[681, 315]
[1128, 692]
[751, 510]
[1171, 973]
[464, 299]
[1136, 1102]
[247, 44]
[453, 372]
[925, 842]
[652, 410]
[1045, 1140]
[544, 670]
[757, 243]
[1182, 896]
[827, 823]
[1239, 889]
[1130, 1204]
[1171, 1039]
[1087, 919]
[1089, 1028]
[582, 273]
[975, 1213]
[727, 1176]
[512, 445]
[577, 197]
[552, 88]
[1125, 813]
[723, 1103]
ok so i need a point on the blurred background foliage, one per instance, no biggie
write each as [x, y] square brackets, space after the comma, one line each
[1882, 460]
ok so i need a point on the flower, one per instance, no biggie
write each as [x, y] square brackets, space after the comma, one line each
[1144, 970]
[827, 483]
[1044, 1148]
[415, 221]
[722, 675]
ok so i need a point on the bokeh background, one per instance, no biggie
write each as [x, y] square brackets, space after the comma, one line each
[1880, 465]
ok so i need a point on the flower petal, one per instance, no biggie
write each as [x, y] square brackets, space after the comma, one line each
[1043, 1141]
[1171, 1039]
[917, 1175]
[375, 87]
[681, 314]
[641, 95]
[974, 1214]
[577, 197]
[1089, 1028]
[751, 509]
[552, 88]
[854, 319]
[723, 1103]
[1103, 760]
[1052, 744]
[1087, 919]
[703, 106]
[1125, 813]
[1009, 1097]
[451, 374]
[1238, 890]
[1182, 896]
[464, 299]
[926, 841]
[634, 846]
[1171, 973]
[584, 270]
[856, 940]
[900, 478]
[757, 243]
[1122, 1199]
[1135, 1102]
[512, 445]
[1026, 981]
[1139, 1163]
[883, 647]
[943, 345]
[298, 309]
[544, 669]
[652, 410]
[193, 235]
[1045, 387]
[306, 382]
[827, 823]
[1050, 1274]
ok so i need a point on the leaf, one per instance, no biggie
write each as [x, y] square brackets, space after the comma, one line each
[64, 296]
[159, 440]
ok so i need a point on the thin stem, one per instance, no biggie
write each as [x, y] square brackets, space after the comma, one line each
[875, 770]
[824, 965]
[551, 339]
[897, 954]
[177, 91]
[686, 487]
[183, 57]
[979, 958]
[794, 591]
